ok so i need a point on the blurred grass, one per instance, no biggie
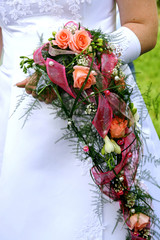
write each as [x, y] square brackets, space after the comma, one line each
[147, 69]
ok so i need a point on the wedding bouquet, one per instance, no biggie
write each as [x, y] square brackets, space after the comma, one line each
[81, 70]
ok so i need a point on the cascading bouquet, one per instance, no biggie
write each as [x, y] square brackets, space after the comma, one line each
[90, 91]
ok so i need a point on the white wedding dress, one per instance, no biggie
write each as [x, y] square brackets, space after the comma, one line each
[45, 192]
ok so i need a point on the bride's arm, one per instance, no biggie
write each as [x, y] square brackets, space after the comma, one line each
[141, 17]
[0, 42]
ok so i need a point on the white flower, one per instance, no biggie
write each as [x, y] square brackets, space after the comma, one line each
[136, 117]
[108, 147]
[83, 60]
[117, 148]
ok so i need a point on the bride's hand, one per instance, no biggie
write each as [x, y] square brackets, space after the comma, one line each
[30, 84]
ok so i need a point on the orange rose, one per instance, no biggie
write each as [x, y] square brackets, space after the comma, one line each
[79, 41]
[117, 128]
[62, 38]
[138, 221]
[80, 74]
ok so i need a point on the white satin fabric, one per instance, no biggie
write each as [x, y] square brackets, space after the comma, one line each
[45, 192]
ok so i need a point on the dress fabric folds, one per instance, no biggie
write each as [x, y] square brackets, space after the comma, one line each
[45, 192]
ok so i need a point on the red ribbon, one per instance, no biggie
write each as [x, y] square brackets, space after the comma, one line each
[37, 56]
[57, 75]
[103, 117]
[128, 164]
[108, 63]
[55, 70]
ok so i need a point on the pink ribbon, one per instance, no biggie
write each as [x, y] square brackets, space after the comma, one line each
[103, 117]
[108, 63]
[118, 104]
[112, 103]
[55, 70]
[37, 56]
[57, 75]
[128, 163]
[106, 108]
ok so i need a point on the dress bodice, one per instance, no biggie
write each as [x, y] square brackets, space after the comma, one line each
[14, 11]
[23, 21]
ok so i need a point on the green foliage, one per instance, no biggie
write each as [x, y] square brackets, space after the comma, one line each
[26, 63]
[147, 69]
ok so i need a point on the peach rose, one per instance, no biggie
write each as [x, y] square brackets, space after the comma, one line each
[62, 38]
[80, 74]
[79, 41]
[138, 221]
[117, 128]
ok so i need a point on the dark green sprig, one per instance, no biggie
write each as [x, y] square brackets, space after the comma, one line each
[26, 63]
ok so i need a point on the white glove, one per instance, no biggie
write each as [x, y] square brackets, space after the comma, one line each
[126, 43]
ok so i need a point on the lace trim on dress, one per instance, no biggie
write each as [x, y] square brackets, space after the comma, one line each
[74, 6]
[12, 10]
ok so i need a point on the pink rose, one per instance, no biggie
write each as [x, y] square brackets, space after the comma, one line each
[62, 38]
[79, 75]
[79, 41]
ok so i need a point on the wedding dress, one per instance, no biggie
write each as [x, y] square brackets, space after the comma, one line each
[45, 192]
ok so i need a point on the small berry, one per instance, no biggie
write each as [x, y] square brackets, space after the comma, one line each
[120, 193]
[129, 155]
[86, 149]
[120, 142]
[107, 92]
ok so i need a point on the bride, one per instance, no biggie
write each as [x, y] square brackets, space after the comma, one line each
[45, 193]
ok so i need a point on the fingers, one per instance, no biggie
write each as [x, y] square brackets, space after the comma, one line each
[30, 88]
[50, 96]
[23, 83]
[30, 85]
[47, 96]
[34, 94]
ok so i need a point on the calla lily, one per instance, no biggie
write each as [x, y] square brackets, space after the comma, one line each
[136, 117]
[117, 148]
[108, 145]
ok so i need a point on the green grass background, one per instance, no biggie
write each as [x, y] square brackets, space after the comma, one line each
[147, 69]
